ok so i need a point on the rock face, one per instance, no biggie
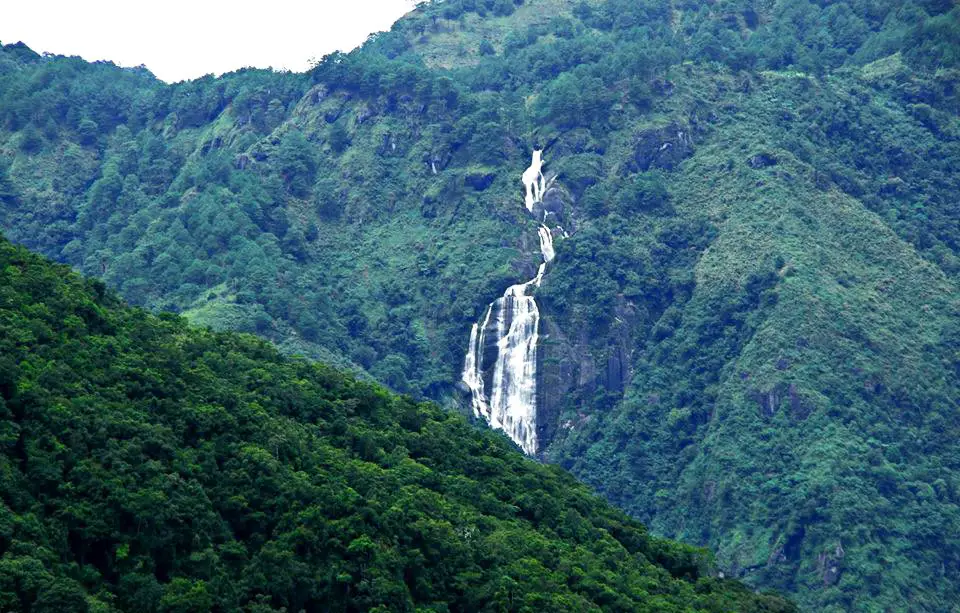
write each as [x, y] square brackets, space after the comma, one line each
[577, 372]
[479, 179]
[662, 148]
[769, 401]
[554, 209]
[574, 367]
[558, 372]
[830, 564]
[762, 160]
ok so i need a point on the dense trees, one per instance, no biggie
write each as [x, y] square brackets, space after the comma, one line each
[760, 346]
[167, 191]
[148, 466]
[365, 212]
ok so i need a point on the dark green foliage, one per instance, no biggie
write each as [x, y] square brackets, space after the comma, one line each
[149, 466]
[30, 140]
[178, 190]
[574, 100]
[641, 192]
[339, 138]
[756, 296]
[764, 383]
[296, 162]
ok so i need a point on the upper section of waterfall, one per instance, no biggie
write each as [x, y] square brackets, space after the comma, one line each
[533, 180]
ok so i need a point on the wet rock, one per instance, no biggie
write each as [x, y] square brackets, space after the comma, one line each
[829, 563]
[557, 373]
[662, 148]
[553, 202]
[616, 371]
[572, 367]
[771, 400]
[554, 207]
[436, 161]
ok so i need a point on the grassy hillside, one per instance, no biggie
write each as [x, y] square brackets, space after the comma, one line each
[150, 466]
[750, 335]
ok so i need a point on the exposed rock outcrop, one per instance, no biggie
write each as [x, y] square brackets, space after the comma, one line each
[574, 368]
[663, 147]
[830, 564]
[762, 160]
[771, 400]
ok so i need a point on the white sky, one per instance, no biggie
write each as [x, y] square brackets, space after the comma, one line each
[184, 39]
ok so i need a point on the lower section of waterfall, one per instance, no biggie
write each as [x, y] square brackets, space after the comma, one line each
[506, 339]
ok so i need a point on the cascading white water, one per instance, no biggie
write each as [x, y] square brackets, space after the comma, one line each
[533, 180]
[472, 375]
[546, 245]
[514, 322]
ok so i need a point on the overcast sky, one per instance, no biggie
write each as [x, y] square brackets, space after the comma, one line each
[184, 39]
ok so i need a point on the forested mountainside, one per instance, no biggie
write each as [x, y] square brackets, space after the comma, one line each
[149, 466]
[750, 333]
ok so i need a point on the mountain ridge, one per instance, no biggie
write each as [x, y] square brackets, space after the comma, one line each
[729, 169]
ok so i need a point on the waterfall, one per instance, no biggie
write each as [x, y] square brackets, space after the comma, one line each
[509, 334]
[533, 180]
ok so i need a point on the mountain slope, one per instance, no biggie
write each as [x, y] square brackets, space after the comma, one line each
[749, 335]
[810, 379]
[150, 466]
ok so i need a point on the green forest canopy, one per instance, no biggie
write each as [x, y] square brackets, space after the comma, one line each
[779, 286]
[150, 466]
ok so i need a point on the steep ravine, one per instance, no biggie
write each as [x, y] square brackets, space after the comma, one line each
[500, 368]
